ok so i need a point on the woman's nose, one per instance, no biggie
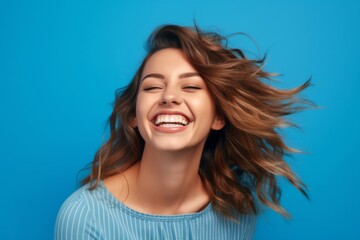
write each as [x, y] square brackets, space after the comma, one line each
[170, 96]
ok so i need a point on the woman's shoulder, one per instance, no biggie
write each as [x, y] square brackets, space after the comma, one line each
[77, 198]
[75, 216]
[241, 225]
[246, 224]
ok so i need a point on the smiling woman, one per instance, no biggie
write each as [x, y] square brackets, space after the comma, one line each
[179, 95]
[193, 143]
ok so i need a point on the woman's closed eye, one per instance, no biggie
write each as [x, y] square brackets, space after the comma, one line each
[152, 88]
[192, 87]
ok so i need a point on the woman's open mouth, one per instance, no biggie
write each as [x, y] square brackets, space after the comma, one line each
[166, 120]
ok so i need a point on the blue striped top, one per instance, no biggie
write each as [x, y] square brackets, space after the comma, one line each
[98, 214]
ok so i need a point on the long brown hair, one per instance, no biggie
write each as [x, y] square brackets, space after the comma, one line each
[240, 163]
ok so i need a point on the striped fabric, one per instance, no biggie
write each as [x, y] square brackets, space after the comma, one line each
[98, 214]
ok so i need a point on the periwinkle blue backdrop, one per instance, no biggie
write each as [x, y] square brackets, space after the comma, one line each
[61, 62]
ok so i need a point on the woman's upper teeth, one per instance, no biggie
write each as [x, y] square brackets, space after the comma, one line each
[165, 118]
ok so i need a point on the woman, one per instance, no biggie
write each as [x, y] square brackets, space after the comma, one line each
[193, 147]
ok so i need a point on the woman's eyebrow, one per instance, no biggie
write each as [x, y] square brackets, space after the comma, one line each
[189, 74]
[154, 75]
[183, 75]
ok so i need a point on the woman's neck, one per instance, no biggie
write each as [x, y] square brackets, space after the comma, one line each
[166, 183]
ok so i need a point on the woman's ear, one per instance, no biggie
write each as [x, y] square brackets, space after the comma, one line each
[133, 122]
[218, 123]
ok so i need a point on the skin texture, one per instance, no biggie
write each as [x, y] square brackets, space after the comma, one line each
[166, 180]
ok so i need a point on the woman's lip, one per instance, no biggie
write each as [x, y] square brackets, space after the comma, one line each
[176, 129]
[170, 113]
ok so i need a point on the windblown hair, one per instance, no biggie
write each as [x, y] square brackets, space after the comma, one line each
[241, 162]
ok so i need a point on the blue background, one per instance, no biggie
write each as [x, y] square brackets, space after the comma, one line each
[61, 62]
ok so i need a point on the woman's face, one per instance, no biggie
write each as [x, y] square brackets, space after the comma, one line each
[174, 109]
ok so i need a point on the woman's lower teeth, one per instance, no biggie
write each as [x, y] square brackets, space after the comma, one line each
[170, 125]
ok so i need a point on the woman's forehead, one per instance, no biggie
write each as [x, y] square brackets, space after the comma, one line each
[167, 60]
